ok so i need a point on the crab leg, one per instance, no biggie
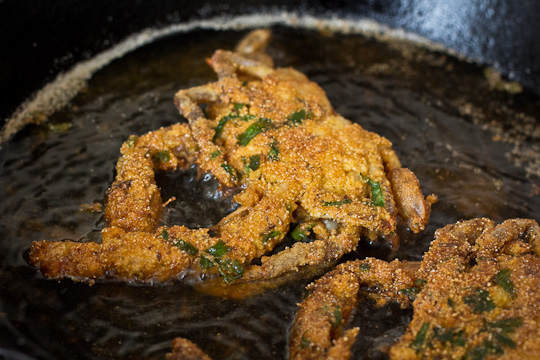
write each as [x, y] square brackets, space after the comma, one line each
[211, 156]
[169, 253]
[411, 204]
[318, 330]
[253, 46]
[228, 64]
[300, 261]
[134, 200]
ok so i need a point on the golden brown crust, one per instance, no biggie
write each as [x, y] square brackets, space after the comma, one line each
[481, 299]
[274, 134]
[318, 329]
[476, 297]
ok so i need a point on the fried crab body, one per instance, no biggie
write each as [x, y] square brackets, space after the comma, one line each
[475, 296]
[273, 135]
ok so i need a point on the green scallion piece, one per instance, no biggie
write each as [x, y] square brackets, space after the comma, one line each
[253, 130]
[218, 249]
[230, 170]
[420, 336]
[503, 280]
[187, 247]
[298, 234]
[164, 235]
[377, 198]
[297, 117]
[365, 267]
[337, 317]
[254, 162]
[163, 156]
[231, 270]
[219, 128]
[273, 154]
[479, 301]
[337, 203]
[304, 342]
[271, 235]
[301, 231]
[131, 141]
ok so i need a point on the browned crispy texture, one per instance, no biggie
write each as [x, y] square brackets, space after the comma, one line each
[321, 320]
[273, 134]
[481, 299]
[477, 297]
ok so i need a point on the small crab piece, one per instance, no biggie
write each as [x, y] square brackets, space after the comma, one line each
[272, 135]
[475, 294]
[319, 327]
[183, 349]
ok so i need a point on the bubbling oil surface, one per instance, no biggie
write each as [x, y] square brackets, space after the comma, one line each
[445, 120]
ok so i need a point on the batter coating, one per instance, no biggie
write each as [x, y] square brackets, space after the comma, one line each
[273, 135]
[475, 296]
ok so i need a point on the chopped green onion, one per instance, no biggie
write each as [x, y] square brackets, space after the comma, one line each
[218, 249]
[304, 342]
[206, 262]
[247, 117]
[187, 247]
[300, 232]
[271, 235]
[215, 154]
[230, 170]
[131, 141]
[239, 106]
[273, 154]
[337, 316]
[297, 117]
[505, 340]
[503, 280]
[163, 156]
[164, 235]
[219, 128]
[253, 130]
[410, 292]
[337, 203]
[479, 301]
[377, 198]
[506, 325]
[420, 336]
[230, 270]
[61, 127]
[254, 162]
[365, 267]
[479, 352]
[449, 335]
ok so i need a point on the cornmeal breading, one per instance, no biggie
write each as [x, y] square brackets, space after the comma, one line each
[273, 135]
[476, 297]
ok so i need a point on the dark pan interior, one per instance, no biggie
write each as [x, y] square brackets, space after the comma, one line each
[39, 39]
[473, 145]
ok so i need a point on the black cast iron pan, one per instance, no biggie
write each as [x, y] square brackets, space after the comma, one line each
[40, 319]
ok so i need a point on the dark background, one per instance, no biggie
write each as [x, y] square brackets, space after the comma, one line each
[39, 39]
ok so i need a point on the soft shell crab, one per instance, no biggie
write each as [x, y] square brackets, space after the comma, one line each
[475, 296]
[273, 134]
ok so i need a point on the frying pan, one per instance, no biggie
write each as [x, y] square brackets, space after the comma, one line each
[41, 39]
